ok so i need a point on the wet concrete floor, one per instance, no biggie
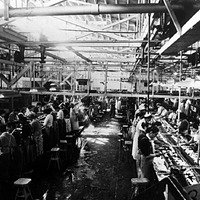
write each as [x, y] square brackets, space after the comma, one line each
[101, 170]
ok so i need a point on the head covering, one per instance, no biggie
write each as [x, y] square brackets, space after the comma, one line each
[22, 117]
[147, 115]
[20, 114]
[32, 116]
[61, 105]
[142, 107]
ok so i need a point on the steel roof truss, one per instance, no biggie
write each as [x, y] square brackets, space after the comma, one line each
[91, 28]
[4, 79]
[53, 2]
[79, 54]
[10, 35]
[110, 25]
[19, 75]
[173, 16]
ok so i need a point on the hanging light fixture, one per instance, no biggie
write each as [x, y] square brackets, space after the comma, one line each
[53, 84]
[33, 90]
[52, 89]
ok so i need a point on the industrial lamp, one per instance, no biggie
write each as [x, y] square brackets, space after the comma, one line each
[32, 90]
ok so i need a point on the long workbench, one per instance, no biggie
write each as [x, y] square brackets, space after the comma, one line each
[176, 159]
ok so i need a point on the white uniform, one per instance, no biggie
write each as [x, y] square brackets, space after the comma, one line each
[139, 128]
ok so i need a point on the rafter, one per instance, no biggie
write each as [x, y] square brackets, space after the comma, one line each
[53, 2]
[98, 51]
[91, 28]
[19, 75]
[86, 43]
[110, 25]
[172, 15]
[79, 54]
[11, 35]
[79, 16]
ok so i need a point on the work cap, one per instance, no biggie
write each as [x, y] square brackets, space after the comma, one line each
[147, 115]
[142, 107]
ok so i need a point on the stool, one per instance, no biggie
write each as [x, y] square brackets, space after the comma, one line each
[128, 143]
[138, 185]
[55, 157]
[120, 139]
[127, 148]
[125, 130]
[70, 138]
[23, 190]
[71, 142]
[63, 149]
[120, 134]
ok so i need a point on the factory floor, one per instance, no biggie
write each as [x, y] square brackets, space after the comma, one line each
[99, 169]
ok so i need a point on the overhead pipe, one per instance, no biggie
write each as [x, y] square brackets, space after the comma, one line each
[90, 9]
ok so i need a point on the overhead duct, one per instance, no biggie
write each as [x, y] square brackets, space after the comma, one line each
[90, 9]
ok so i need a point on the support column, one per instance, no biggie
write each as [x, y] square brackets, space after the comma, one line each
[120, 86]
[33, 69]
[42, 74]
[6, 9]
[153, 83]
[180, 71]
[139, 85]
[180, 77]
[74, 82]
[106, 78]
[89, 78]
[148, 66]
[31, 75]
[179, 105]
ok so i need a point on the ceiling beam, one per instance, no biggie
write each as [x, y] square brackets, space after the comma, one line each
[7, 62]
[173, 16]
[3, 22]
[20, 74]
[92, 31]
[81, 2]
[79, 54]
[11, 35]
[82, 43]
[4, 79]
[133, 51]
[98, 59]
[53, 2]
[92, 60]
[110, 25]
[54, 56]
[189, 35]
[110, 94]
[92, 28]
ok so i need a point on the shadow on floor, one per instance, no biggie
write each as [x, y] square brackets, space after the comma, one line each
[99, 169]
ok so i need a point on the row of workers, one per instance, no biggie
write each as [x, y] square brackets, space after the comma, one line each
[24, 139]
